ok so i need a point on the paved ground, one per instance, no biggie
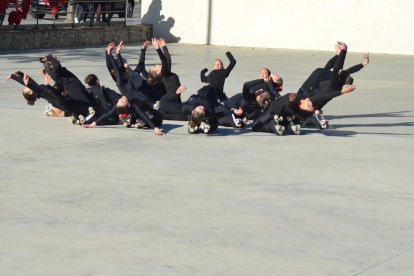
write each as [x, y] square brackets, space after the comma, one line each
[116, 201]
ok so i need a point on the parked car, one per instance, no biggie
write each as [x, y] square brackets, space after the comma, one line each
[39, 8]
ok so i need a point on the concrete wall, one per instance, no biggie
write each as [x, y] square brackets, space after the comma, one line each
[71, 37]
[381, 26]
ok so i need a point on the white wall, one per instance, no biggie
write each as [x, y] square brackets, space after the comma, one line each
[381, 26]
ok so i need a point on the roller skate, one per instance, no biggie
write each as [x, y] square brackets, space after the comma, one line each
[139, 123]
[156, 106]
[74, 120]
[125, 119]
[193, 129]
[237, 121]
[48, 108]
[279, 129]
[294, 128]
[206, 127]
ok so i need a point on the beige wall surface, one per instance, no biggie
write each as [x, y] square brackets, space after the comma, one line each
[380, 26]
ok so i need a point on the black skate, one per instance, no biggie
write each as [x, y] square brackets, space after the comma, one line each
[323, 123]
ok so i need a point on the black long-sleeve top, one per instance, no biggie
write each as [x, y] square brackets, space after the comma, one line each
[286, 105]
[128, 91]
[46, 92]
[170, 80]
[217, 78]
[71, 84]
[197, 100]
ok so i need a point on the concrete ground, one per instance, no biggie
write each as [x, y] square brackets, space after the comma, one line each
[117, 201]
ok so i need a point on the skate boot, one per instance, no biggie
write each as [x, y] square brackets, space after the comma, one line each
[139, 123]
[237, 121]
[74, 120]
[156, 106]
[294, 128]
[82, 119]
[193, 130]
[48, 108]
[206, 128]
[279, 129]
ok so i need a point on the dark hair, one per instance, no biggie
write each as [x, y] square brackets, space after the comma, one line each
[91, 80]
[153, 77]
[30, 97]
[267, 70]
[343, 77]
[279, 82]
[122, 109]
[196, 118]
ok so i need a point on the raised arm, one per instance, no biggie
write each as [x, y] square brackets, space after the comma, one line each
[155, 42]
[358, 67]
[231, 65]
[140, 69]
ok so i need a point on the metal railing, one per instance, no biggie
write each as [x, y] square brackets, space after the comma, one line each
[72, 13]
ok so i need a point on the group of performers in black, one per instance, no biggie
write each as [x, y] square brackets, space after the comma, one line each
[148, 96]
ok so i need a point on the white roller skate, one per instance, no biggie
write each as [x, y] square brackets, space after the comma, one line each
[295, 129]
[206, 128]
[193, 130]
[278, 127]
[156, 106]
[139, 123]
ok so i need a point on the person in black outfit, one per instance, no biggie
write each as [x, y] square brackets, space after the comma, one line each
[130, 102]
[33, 91]
[323, 85]
[217, 77]
[166, 83]
[77, 98]
[106, 100]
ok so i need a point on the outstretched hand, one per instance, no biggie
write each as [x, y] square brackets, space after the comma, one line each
[91, 125]
[25, 79]
[162, 42]
[119, 48]
[180, 89]
[146, 44]
[348, 89]
[155, 42]
[366, 59]
[110, 48]
[158, 132]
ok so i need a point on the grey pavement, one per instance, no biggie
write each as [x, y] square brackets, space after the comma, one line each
[117, 201]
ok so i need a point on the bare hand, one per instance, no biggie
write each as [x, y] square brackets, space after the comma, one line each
[120, 46]
[158, 132]
[162, 42]
[93, 124]
[342, 46]
[366, 59]
[180, 89]
[25, 79]
[146, 44]
[348, 89]
[110, 48]
[155, 43]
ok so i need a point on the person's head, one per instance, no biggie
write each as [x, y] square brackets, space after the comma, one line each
[264, 73]
[217, 64]
[278, 80]
[345, 78]
[197, 116]
[122, 106]
[29, 96]
[92, 80]
[263, 98]
[306, 105]
[154, 73]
